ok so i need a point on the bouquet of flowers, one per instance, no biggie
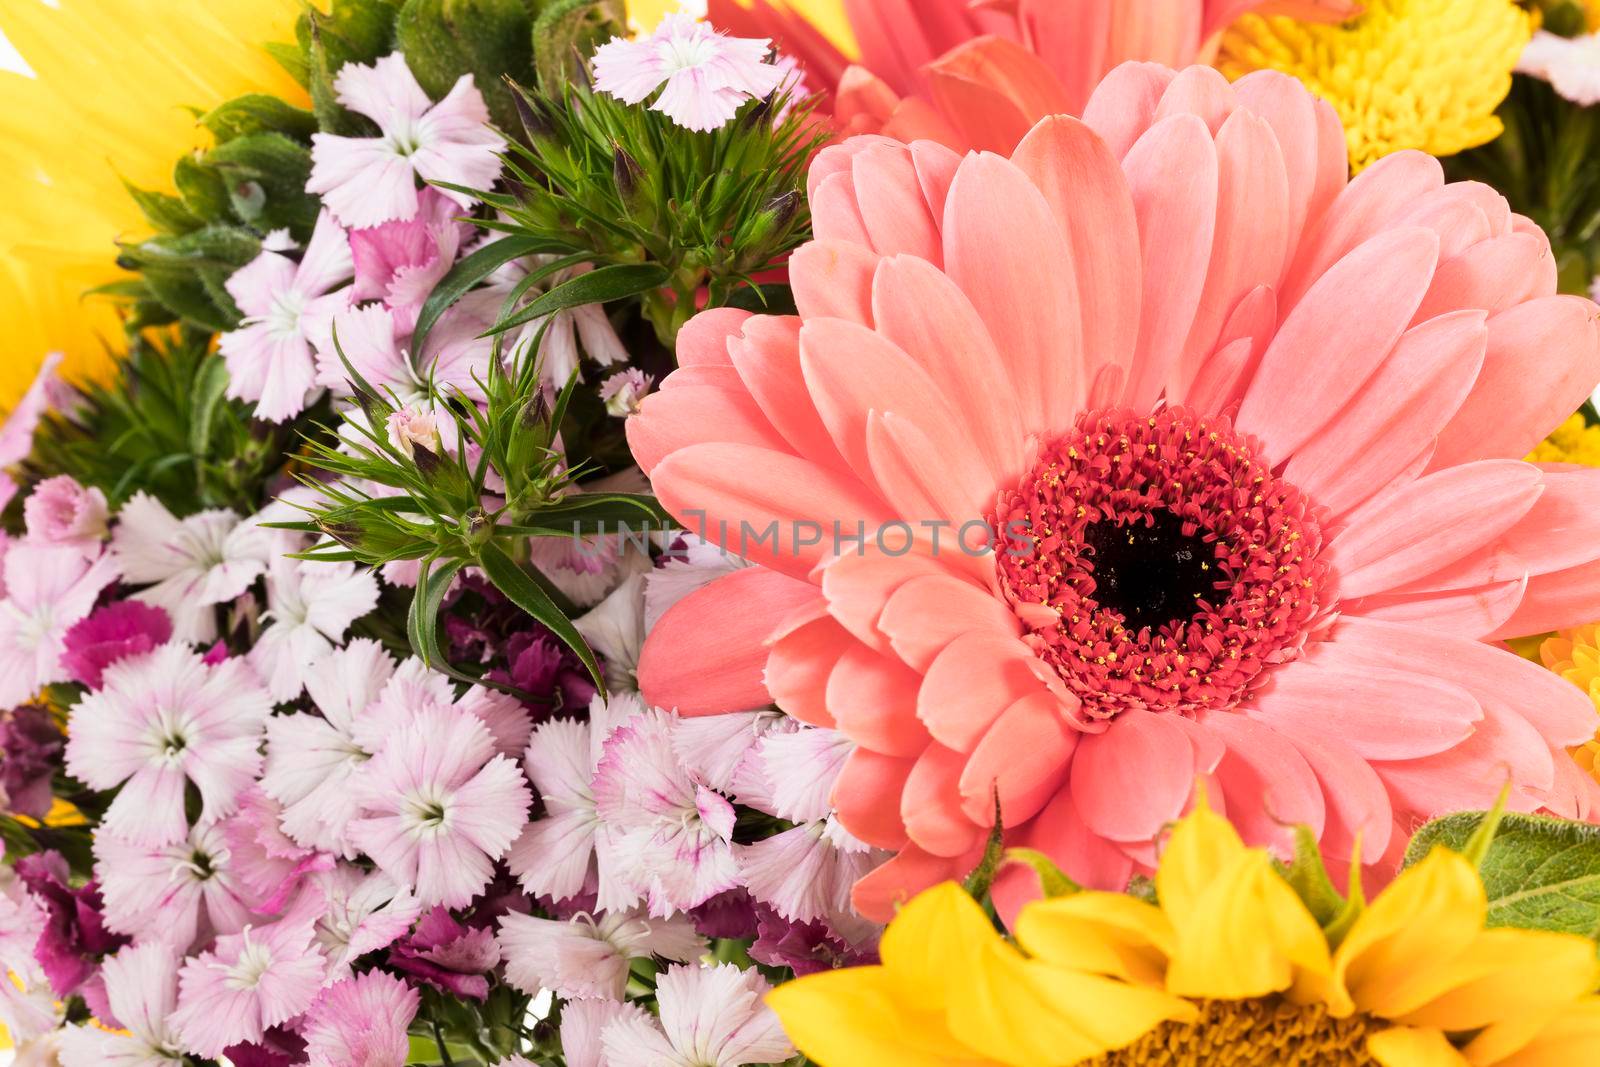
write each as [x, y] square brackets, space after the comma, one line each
[941, 534]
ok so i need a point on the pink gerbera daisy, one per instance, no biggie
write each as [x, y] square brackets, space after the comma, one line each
[1221, 452]
[159, 722]
[978, 75]
[440, 806]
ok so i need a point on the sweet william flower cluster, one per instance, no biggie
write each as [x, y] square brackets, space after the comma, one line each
[396, 665]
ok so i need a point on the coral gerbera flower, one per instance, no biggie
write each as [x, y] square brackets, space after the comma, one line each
[1231, 970]
[980, 75]
[1424, 74]
[1247, 440]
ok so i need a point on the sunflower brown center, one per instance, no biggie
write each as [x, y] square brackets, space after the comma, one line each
[1176, 566]
[1267, 1032]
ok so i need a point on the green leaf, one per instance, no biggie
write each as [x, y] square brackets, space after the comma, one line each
[768, 298]
[595, 287]
[259, 113]
[353, 31]
[1539, 872]
[209, 385]
[168, 214]
[489, 39]
[1308, 876]
[466, 274]
[291, 58]
[1053, 881]
[982, 876]
[526, 594]
[183, 293]
[422, 621]
[567, 33]
[585, 513]
[204, 191]
[266, 175]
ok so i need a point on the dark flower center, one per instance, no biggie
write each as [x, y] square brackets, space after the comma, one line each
[1158, 562]
[1152, 572]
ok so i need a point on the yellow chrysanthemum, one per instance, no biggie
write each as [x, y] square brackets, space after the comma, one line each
[114, 80]
[1574, 441]
[1424, 74]
[1575, 655]
[1231, 970]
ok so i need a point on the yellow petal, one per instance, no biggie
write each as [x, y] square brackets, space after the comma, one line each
[1199, 848]
[1408, 939]
[1404, 1047]
[114, 80]
[936, 935]
[1247, 934]
[1506, 974]
[1099, 933]
[862, 1017]
[1028, 1013]
[1569, 1040]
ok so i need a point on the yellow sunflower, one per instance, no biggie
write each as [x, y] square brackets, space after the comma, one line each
[110, 97]
[1231, 970]
[1425, 74]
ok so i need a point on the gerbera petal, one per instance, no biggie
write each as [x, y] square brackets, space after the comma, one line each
[796, 502]
[930, 804]
[767, 358]
[1172, 172]
[1543, 359]
[833, 279]
[896, 218]
[867, 797]
[997, 223]
[1372, 200]
[968, 685]
[879, 895]
[1089, 196]
[798, 667]
[707, 653]
[1251, 241]
[1382, 714]
[1336, 337]
[1431, 523]
[1137, 747]
[873, 699]
[1124, 104]
[925, 614]
[1020, 764]
[1267, 784]
[925, 314]
[1397, 413]
[670, 419]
